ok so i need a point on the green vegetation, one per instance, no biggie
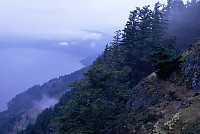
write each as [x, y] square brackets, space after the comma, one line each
[99, 105]
[21, 103]
[165, 62]
[104, 101]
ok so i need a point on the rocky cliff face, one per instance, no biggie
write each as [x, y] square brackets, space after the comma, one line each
[176, 101]
[191, 67]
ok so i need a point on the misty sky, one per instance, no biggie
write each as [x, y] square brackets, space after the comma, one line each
[43, 39]
[52, 19]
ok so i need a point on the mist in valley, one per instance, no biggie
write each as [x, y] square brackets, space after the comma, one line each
[45, 46]
[21, 68]
[44, 40]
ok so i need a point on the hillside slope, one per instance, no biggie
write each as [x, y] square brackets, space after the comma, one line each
[114, 100]
[175, 102]
[154, 106]
[24, 108]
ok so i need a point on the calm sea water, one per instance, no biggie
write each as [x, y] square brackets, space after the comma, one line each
[21, 68]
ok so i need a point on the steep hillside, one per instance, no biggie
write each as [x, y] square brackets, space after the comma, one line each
[185, 116]
[175, 101]
[119, 96]
[24, 108]
[45, 123]
[153, 106]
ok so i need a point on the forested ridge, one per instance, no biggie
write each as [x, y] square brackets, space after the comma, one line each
[112, 98]
[25, 101]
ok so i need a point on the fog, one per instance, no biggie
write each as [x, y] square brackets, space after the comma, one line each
[21, 68]
[41, 40]
[63, 19]
[45, 102]
[26, 61]
[184, 23]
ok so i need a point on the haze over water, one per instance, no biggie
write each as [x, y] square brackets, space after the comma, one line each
[21, 68]
[71, 30]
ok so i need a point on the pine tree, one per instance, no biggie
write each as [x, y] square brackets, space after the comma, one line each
[159, 25]
[142, 33]
[165, 61]
[115, 47]
[98, 103]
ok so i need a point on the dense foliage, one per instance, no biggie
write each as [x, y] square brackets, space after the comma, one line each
[184, 21]
[27, 100]
[99, 103]
[165, 61]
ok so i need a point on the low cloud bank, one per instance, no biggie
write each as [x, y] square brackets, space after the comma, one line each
[46, 102]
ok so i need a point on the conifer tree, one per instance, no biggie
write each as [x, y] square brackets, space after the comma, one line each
[159, 25]
[165, 61]
[115, 47]
[142, 33]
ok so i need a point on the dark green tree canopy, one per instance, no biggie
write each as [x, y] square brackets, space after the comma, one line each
[165, 61]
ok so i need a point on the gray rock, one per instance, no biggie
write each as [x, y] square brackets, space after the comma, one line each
[141, 98]
[191, 67]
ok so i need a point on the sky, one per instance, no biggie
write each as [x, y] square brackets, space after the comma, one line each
[53, 19]
[43, 39]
